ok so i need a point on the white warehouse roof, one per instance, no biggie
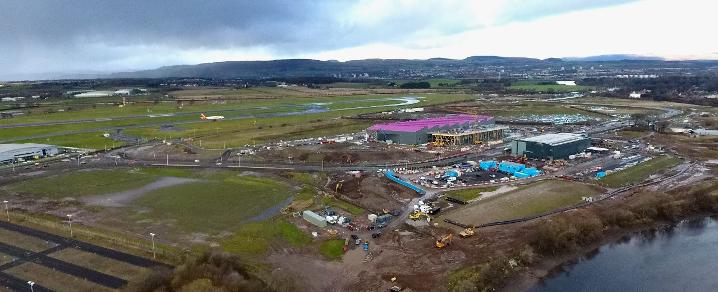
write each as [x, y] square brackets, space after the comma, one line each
[555, 139]
[11, 147]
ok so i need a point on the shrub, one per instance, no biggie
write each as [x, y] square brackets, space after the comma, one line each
[702, 201]
[212, 271]
[618, 218]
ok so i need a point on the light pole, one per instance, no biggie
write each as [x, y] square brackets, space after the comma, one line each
[7, 210]
[31, 283]
[69, 220]
[154, 254]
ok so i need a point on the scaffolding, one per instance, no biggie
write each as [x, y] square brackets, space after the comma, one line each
[474, 136]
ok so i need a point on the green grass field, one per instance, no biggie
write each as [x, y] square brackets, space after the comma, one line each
[332, 249]
[55, 280]
[438, 83]
[532, 199]
[23, 241]
[213, 204]
[234, 133]
[469, 194]
[101, 264]
[255, 239]
[4, 259]
[639, 172]
[632, 134]
[82, 183]
[353, 209]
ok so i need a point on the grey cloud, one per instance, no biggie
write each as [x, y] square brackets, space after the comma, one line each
[76, 35]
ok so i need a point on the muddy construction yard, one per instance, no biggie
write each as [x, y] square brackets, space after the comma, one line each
[343, 153]
[372, 191]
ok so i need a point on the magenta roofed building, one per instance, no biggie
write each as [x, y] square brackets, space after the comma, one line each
[419, 131]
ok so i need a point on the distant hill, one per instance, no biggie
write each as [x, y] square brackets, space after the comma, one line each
[469, 67]
[614, 57]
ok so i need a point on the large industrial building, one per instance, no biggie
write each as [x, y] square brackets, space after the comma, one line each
[23, 152]
[458, 129]
[550, 146]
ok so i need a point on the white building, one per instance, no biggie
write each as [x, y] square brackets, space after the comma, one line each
[566, 82]
[29, 151]
[95, 94]
[634, 95]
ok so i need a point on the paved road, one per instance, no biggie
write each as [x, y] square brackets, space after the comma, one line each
[84, 246]
[41, 258]
[17, 284]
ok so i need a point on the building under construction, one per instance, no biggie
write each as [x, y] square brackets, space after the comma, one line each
[449, 130]
[474, 136]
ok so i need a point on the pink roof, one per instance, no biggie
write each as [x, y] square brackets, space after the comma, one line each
[418, 125]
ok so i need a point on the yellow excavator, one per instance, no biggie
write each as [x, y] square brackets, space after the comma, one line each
[417, 215]
[468, 232]
[444, 240]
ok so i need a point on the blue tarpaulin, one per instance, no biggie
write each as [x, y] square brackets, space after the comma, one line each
[600, 174]
[485, 165]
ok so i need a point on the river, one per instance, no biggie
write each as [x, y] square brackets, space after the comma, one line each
[683, 257]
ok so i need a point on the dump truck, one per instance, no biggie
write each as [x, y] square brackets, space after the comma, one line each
[468, 232]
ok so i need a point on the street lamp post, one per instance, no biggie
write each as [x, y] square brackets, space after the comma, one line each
[69, 220]
[154, 254]
[7, 210]
[31, 283]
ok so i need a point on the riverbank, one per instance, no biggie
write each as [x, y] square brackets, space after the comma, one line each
[699, 203]
[549, 267]
[524, 253]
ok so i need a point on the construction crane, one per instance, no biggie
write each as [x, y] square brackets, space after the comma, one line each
[444, 240]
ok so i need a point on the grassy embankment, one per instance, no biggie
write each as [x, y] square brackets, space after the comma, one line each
[639, 172]
[532, 199]
[569, 235]
[469, 194]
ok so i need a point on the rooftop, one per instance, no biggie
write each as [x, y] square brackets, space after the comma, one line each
[555, 139]
[11, 147]
[418, 125]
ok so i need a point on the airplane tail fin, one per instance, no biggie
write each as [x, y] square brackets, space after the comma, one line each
[202, 116]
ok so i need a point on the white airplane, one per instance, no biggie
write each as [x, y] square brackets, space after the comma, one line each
[211, 118]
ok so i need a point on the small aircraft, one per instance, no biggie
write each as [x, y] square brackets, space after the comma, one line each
[211, 118]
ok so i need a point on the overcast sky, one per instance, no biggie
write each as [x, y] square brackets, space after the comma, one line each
[71, 36]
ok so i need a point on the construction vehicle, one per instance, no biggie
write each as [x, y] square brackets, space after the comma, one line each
[417, 215]
[468, 232]
[444, 240]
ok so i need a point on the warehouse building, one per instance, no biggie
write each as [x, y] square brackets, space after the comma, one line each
[24, 152]
[421, 131]
[550, 146]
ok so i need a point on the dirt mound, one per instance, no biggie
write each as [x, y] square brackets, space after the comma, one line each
[373, 192]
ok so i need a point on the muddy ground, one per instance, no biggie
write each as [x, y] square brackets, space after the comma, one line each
[372, 191]
[344, 153]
